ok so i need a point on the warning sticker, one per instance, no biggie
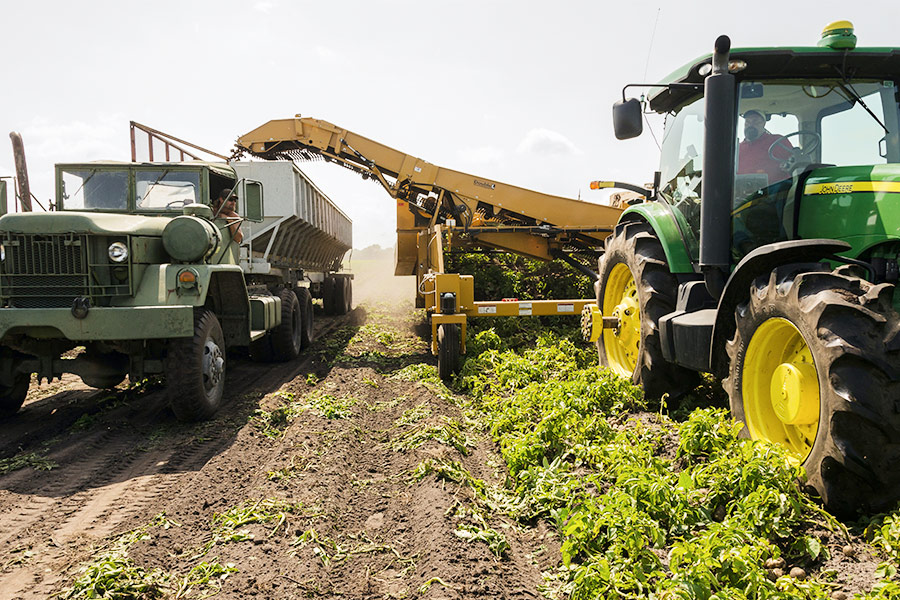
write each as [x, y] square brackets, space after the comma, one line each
[487, 310]
[565, 308]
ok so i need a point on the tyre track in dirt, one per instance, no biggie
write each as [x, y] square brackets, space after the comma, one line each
[117, 472]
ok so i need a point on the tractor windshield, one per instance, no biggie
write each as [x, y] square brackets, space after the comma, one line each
[91, 189]
[784, 128]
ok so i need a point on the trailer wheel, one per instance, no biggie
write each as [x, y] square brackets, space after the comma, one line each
[306, 316]
[448, 337]
[195, 369]
[815, 368]
[13, 396]
[636, 286]
[348, 294]
[329, 295]
[287, 338]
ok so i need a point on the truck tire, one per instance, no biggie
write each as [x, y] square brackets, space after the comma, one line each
[195, 369]
[287, 337]
[306, 316]
[340, 295]
[348, 294]
[329, 293]
[13, 396]
[815, 368]
[448, 341]
[636, 286]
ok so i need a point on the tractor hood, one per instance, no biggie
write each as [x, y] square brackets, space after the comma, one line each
[83, 222]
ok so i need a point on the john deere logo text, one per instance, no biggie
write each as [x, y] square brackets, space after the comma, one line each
[836, 188]
[485, 184]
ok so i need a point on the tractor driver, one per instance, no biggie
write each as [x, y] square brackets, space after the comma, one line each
[224, 206]
[753, 152]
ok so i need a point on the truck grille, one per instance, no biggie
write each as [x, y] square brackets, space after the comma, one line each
[51, 270]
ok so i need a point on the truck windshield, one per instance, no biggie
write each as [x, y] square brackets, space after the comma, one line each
[165, 189]
[92, 189]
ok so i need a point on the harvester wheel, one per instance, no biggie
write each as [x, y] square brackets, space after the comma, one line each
[13, 396]
[815, 368]
[341, 301]
[306, 316]
[448, 350]
[287, 337]
[195, 369]
[636, 287]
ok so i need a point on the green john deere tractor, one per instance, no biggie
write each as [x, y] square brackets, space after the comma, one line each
[767, 254]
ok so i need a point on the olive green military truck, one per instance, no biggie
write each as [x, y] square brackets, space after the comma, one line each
[134, 266]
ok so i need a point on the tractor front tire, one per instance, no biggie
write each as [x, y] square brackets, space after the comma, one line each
[636, 286]
[195, 369]
[815, 368]
[448, 342]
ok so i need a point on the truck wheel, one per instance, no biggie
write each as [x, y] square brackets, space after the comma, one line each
[195, 369]
[287, 338]
[329, 292]
[13, 396]
[348, 294]
[306, 317]
[815, 368]
[635, 286]
[341, 301]
[448, 350]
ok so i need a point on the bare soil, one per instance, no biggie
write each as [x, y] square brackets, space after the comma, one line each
[360, 526]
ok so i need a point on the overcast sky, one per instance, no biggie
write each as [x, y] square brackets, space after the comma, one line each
[515, 91]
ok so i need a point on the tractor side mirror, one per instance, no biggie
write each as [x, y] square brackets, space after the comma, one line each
[628, 119]
[253, 201]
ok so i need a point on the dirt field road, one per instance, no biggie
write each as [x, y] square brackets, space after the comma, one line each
[316, 480]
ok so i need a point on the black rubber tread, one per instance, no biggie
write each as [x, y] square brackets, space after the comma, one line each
[340, 296]
[853, 333]
[449, 358]
[348, 294]
[307, 335]
[12, 397]
[329, 291]
[287, 337]
[635, 244]
[188, 397]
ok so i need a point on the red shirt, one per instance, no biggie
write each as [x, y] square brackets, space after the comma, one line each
[753, 157]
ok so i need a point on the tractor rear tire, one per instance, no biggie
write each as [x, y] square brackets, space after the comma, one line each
[635, 284]
[306, 316]
[287, 337]
[195, 369]
[448, 342]
[815, 368]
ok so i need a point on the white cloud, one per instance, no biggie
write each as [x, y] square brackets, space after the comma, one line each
[325, 53]
[264, 6]
[546, 142]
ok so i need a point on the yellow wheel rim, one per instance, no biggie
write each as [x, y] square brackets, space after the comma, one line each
[781, 388]
[623, 343]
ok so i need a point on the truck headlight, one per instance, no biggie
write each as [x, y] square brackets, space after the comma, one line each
[118, 252]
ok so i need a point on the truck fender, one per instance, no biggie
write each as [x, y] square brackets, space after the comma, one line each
[659, 216]
[760, 261]
[227, 296]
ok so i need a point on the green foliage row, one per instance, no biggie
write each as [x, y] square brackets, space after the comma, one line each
[646, 506]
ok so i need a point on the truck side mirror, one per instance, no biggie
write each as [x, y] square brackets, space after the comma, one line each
[2, 197]
[628, 119]
[253, 201]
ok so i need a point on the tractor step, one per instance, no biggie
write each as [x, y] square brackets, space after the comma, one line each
[687, 337]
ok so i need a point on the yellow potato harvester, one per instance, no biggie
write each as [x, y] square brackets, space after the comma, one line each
[439, 208]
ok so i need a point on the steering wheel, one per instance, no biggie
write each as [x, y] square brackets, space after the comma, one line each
[795, 154]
